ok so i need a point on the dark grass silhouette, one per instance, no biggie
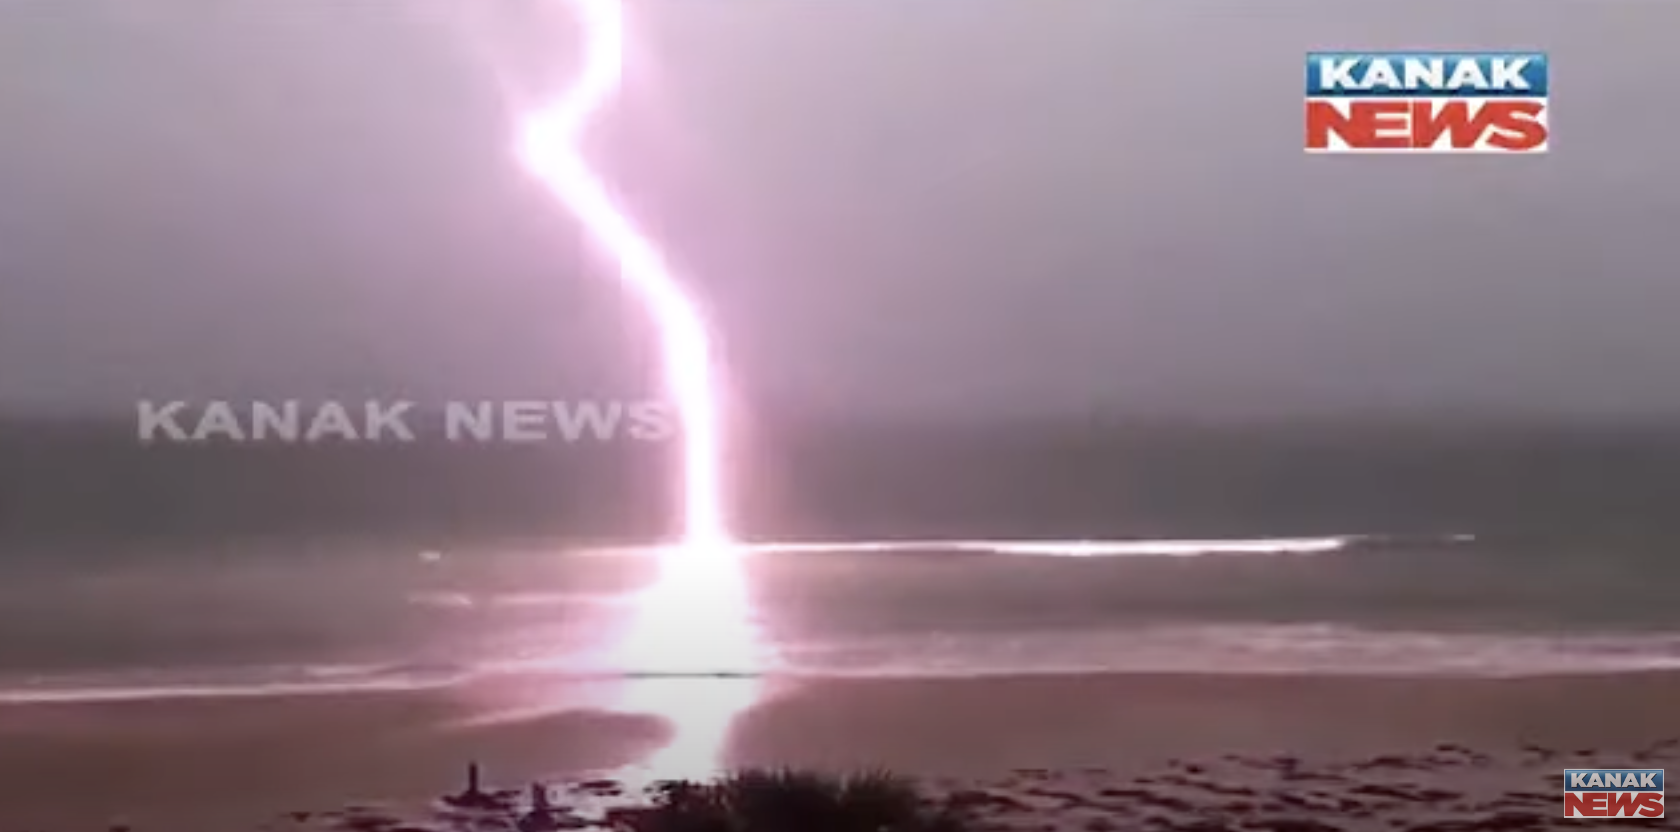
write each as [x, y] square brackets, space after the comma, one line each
[794, 801]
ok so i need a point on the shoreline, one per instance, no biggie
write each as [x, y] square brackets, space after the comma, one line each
[235, 763]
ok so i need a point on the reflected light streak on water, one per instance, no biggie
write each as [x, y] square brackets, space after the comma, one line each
[695, 649]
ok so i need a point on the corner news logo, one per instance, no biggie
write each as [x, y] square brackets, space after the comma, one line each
[1428, 102]
[1613, 793]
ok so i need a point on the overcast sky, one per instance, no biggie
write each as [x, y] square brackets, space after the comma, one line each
[916, 206]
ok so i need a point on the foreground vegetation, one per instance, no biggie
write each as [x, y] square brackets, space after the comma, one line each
[795, 801]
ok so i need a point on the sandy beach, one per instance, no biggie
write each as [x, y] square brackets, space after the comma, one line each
[1030, 752]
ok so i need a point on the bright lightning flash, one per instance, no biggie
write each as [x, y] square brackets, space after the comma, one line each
[696, 621]
[549, 147]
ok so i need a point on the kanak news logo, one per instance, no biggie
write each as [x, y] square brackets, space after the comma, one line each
[1613, 793]
[1427, 102]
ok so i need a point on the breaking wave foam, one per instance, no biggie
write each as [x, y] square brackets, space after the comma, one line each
[1054, 548]
[1290, 649]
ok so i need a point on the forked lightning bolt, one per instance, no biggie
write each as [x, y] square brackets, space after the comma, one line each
[549, 147]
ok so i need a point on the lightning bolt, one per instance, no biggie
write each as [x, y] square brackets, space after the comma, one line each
[549, 148]
[697, 617]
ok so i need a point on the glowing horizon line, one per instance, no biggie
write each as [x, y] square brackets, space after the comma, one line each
[549, 147]
[1048, 547]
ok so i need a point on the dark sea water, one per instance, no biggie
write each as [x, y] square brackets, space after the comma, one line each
[128, 571]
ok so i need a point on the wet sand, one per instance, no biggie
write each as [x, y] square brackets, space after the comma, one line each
[242, 763]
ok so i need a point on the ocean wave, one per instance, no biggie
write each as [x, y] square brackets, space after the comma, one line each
[1079, 547]
[505, 600]
[257, 681]
[1252, 649]
[1270, 649]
